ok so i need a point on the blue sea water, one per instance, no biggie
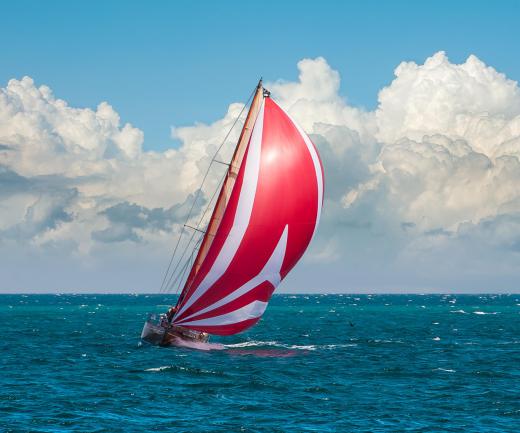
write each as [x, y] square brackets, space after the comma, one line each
[335, 363]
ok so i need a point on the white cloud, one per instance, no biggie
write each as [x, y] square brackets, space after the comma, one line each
[450, 135]
[59, 161]
[421, 192]
[468, 101]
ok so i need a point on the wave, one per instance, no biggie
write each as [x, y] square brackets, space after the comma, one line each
[198, 345]
[269, 344]
[165, 367]
[196, 371]
[287, 346]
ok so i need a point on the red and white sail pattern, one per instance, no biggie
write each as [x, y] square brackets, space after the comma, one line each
[269, 221]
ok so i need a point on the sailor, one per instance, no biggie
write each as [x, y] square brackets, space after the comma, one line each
[164, 321]
[171, 313]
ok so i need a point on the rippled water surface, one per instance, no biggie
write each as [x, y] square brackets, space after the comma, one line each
[314, 364]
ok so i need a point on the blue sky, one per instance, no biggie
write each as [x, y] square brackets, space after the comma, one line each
[414, 107]
[173, 63]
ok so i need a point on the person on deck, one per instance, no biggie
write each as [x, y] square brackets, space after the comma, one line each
[164, 321]
[171, 313]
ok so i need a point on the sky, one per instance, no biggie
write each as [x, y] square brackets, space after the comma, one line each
[165, 63]
[414, 107]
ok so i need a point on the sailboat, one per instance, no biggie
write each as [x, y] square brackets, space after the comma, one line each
[263, 220]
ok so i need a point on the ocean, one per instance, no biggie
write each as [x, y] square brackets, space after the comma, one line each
[314, 363]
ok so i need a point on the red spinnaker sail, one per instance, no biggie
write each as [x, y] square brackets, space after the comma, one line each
[269, 221]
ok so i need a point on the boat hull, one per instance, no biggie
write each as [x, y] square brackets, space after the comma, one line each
[161, 336]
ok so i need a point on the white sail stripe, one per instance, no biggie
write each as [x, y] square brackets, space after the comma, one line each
[251, 311]
[242, 216]
[270, 272]
[317, 167]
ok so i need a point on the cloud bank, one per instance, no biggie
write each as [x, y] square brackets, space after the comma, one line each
[422, 193]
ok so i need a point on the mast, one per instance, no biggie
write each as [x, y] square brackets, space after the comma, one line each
[227, 187]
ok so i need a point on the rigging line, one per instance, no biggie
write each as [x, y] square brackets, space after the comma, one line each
[191, 261]
[182, 272]
[180, 276]
[190, 264]
[195, 228]
[172, 274]
[219, 185]
[203, 180]
[171, 259]
[168, 284]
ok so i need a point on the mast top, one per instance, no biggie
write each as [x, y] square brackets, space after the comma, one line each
[265, 93]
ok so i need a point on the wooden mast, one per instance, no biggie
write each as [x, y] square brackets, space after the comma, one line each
[227, 187]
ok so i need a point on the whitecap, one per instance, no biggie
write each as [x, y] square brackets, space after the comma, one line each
[286, 346]
[436, 338]
[297, 347]
[252, 344]
[165, 367]
[337, 346]
[483, 312]
[179, 342]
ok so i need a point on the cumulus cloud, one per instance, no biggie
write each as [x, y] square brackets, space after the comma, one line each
[421, 193]
[69, 173]
[448, 155]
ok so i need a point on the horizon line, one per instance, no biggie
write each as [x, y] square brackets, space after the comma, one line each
[420, 293]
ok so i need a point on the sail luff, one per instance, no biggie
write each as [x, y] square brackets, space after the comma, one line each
[227, 187]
